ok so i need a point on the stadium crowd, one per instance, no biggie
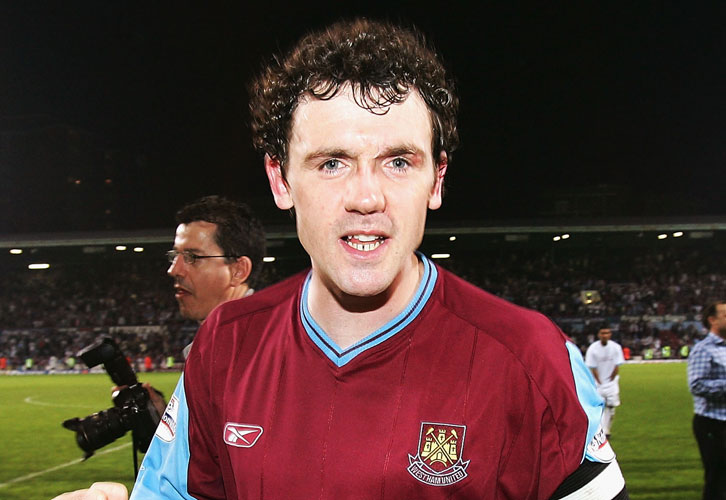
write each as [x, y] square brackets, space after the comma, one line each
[650, 298]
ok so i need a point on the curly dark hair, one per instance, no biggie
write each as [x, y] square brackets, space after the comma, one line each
[380, 61]
[238, 232]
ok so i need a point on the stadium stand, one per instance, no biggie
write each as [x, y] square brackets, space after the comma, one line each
[650, 294]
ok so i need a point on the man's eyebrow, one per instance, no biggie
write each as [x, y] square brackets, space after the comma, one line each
[319, 154]
[188, 250]
[401, 150]
[398, 150]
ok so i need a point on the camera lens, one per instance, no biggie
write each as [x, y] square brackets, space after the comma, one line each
[99, 429]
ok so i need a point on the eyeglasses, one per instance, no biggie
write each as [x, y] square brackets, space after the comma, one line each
[191, 258]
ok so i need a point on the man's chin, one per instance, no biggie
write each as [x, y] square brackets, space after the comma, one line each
[187, 313]
[361, 292]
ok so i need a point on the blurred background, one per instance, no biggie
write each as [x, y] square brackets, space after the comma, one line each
[593, 143]
[113, 114]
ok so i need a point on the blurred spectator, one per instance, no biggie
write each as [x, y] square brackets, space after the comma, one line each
[651, 299]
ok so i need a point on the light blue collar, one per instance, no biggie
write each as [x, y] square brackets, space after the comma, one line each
[342, 356]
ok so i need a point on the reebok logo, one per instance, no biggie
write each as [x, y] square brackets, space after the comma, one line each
[241, 435]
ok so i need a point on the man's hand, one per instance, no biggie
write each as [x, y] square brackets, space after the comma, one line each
[98, 491]
[156, 397]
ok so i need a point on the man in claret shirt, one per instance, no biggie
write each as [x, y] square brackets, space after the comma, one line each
[374, 374]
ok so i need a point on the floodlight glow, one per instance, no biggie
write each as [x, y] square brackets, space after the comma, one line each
[120, 248]
[39, 266]
[268, 259]
[440, 255]
[678, 234]
[16, 251]
[662, 236]
[452, 238]
[565, 236]
[138, 249]
[556, 238]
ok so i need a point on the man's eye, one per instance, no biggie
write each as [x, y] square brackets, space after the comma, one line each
[399, 163]
[331, 165]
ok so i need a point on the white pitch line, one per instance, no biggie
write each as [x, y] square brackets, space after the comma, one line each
[61, 466]
[29, 400]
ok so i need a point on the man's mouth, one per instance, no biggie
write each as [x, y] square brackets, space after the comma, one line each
[364, 242]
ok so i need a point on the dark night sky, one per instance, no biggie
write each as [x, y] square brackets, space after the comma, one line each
[626, 98]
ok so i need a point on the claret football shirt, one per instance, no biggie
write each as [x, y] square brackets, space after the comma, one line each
[462, 395]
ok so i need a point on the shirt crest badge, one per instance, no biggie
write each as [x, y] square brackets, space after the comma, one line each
[439, 461]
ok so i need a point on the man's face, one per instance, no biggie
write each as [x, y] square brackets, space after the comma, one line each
[361, 184]
[718, 321]
[605, 335]
[201, 286]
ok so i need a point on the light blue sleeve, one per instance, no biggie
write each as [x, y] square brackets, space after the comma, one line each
[592, 404]
[163, 472]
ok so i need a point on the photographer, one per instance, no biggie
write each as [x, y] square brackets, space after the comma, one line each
[217, 257]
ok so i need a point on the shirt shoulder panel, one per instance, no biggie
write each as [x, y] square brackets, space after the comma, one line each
[163, 472]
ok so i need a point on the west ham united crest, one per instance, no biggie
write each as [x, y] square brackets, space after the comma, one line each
[439, 458]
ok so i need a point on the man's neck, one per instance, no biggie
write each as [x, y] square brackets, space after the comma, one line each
[347, 319]
[242, 290]
[238, 292]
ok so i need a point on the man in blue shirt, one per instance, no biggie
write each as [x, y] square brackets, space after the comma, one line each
[707, 382]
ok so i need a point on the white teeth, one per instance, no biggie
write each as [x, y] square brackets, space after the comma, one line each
[375, 242]
[364, 248]
[365, 237]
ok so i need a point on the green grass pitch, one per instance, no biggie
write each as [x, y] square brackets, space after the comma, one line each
[651, 434]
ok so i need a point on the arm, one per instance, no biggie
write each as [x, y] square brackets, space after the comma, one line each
[598, 476]
[182, 462]
[591, 362]
[615, 372]
[163, 472]
[593, 481]
[594, 374]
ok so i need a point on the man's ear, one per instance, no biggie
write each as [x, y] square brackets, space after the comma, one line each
[278, 185]
[437, 191]
[241, 270]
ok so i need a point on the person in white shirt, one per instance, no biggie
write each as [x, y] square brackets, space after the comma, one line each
[604, 358]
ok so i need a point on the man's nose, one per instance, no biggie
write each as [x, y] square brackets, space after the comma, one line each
[176, 267]
[364, 192]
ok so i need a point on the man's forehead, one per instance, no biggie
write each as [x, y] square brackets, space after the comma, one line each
[405, 122]
[196, 234]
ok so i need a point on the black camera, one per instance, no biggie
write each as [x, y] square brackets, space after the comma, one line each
[132, 410]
